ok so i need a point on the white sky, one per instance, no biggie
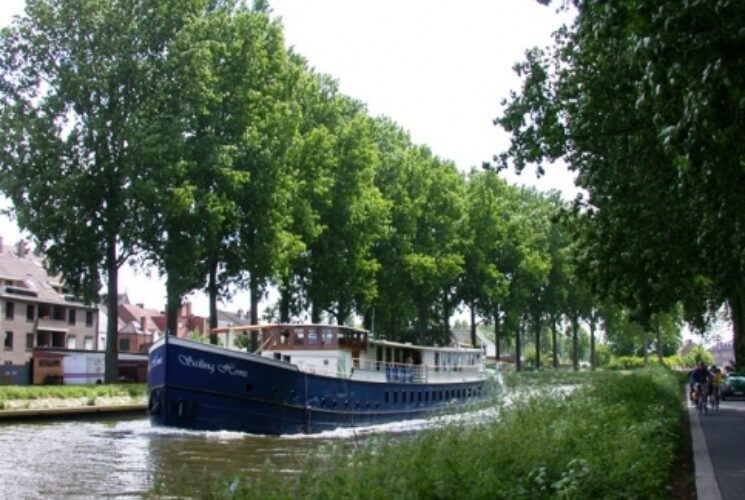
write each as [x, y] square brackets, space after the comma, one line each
[437, 68]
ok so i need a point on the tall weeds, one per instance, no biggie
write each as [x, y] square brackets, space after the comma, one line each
[614, 437]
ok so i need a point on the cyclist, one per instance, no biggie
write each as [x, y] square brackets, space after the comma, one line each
[716, 380]
[700, 378]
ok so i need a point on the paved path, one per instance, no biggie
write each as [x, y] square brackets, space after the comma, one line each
[719, 451]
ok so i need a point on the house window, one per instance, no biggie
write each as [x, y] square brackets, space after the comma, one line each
[88, 343]
[8, 344]
[30, 310]
[89, 318]
[9, 310]
[71, 316]
[124, 345]
[29, 341]
[58, 313]
[72, 342]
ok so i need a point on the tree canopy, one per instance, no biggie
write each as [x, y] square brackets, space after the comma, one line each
[643, 101]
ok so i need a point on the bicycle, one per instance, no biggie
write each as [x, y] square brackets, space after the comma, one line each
[714, 398]
[701, 397]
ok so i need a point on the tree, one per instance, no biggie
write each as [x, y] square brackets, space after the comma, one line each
[75, 77]
[645, 112]
[483, 285]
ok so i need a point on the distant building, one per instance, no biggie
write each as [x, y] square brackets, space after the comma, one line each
[463, 338]
[37, 311]
[724, 353]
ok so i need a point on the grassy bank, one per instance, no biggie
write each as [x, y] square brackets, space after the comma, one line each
[29, 392]
[617, 436]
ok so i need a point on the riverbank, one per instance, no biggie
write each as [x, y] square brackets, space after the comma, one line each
[28, 402]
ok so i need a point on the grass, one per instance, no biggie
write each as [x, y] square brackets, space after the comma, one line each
[28, 392]
[616, 436]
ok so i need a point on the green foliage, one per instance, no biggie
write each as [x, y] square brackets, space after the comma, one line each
[644, 113]
[614, 438]
[696, 354]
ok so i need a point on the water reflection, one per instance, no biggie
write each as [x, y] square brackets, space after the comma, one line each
[129, 458]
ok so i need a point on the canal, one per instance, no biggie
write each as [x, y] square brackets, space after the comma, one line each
[129, 458]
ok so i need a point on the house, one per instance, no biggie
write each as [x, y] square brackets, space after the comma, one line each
[463, 338]
[37, 311]
[140, 327]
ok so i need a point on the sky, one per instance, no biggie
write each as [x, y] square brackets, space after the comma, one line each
[437, 68]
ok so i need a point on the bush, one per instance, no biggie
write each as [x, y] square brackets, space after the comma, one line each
[613, 438]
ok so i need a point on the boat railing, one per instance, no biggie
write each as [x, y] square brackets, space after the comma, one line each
[416, 373]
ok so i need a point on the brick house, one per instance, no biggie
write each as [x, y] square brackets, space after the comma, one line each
[37, 311]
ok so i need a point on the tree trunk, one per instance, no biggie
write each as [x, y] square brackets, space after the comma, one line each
[645, 354]
[658, 332]
[537, 326]
[555, 344]
[472, 307]
[212, 290]
[254, 291]
[173, 305]
[446, 333]
[592, 342]
[575, 344]
[284, 302]
[111, 358]
[497, 353]
[315, 313]
[737, 305]
[518, 353]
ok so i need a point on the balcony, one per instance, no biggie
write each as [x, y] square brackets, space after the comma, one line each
[52, 325]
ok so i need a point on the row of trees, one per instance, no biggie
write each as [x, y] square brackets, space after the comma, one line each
[186, 136]
[644, 101]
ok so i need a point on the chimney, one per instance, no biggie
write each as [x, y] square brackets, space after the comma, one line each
[240, 314]
[143, 323]
[21, 248]
[140, 305]
[187, 308]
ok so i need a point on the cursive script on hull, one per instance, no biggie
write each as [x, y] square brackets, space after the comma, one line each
[201, 364]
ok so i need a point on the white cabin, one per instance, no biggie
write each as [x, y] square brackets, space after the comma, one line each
[347, 352]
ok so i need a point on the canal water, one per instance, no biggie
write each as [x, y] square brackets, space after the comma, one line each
[130, 458]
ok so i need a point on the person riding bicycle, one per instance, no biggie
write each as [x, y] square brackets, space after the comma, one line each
[701, 376]
[716, 380]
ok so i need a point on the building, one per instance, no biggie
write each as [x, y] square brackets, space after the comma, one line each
[37, 311]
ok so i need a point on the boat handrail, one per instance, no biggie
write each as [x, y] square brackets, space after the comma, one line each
[260, 349]
[412, 372]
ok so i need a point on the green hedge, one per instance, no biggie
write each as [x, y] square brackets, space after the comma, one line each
[615, 437]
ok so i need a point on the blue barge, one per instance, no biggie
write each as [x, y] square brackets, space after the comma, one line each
[306, 379]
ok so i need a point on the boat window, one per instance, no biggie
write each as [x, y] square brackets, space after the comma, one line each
[299, 336]
[313, 336]
[327, 336]
[387, 396]
[278, 355]
[395, 397]
[420, 397]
